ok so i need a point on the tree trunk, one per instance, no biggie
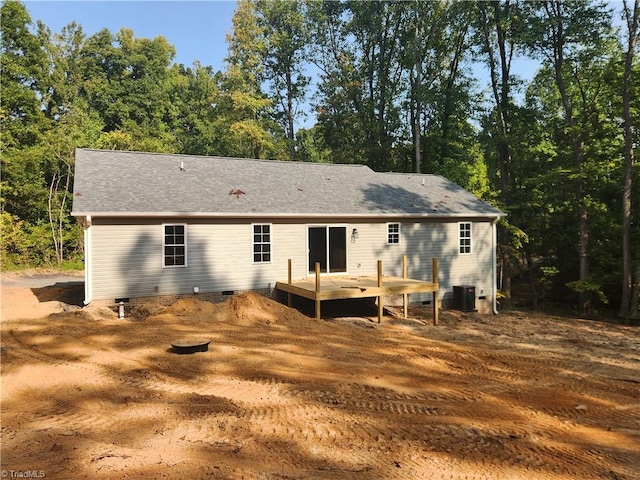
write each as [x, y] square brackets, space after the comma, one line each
[61, 213]
[500, 88]
[532, 283]
[505, 287]
[632, 25]
[417, 60]
[414, 133]
[577, 144]
[290, 120]
[448, 92]
[635, 296]
[52, 209]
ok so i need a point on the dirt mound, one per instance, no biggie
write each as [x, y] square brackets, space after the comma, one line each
[190, 306]
[250, 308]
[144, 310]
[99, 312]
[245, 309]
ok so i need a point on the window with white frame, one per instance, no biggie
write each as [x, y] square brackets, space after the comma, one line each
[261, 243]
[174, 245]
[464, 244]
[393, 233]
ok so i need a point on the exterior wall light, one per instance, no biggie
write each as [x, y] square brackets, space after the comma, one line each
[354, 235]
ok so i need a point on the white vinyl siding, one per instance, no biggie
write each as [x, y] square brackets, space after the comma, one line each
[125, 259]
[421, 241]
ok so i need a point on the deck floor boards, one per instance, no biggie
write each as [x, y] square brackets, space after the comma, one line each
[344, 287]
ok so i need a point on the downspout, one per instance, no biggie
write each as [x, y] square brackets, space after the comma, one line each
[87, 260]
[494, 262]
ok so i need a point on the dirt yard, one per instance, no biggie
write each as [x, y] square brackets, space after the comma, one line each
[281, 396]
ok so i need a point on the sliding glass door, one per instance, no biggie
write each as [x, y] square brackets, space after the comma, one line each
[328, 245]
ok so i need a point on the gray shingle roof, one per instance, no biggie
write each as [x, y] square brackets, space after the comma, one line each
[140, 184]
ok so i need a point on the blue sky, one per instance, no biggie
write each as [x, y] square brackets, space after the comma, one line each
[196, 29]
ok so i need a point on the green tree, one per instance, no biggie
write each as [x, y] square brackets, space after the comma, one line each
[393, 74]
[377, 29]
[338, 100]
[357, 47]
[425, 41]
[22, 125]
[244, 108]
[128, 86]
[193, 110]
[497, 27]
[285, 40]
[544, 202]
[70, 125]
[63, 91]
[63, 82]
[22, 60]
[569, 36]
[629, 300]
[453, 98]
[311, 146]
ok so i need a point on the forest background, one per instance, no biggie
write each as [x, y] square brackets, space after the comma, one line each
[393, 88]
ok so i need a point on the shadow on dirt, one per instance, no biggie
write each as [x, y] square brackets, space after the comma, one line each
[71, 293]
[350, 307]
[281, 393]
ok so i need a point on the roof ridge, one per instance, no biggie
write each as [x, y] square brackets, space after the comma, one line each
[412, 173]
[222, 157]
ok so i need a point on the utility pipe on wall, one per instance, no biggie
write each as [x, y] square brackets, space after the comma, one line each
[494, 234]
[88, 261]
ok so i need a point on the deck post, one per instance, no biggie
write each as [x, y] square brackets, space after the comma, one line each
[289, 282]
[380, 307]
[405, 296]
[434, 279]
[317, 295]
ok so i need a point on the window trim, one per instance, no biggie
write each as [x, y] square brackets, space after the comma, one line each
[164, 244]
[389, 233]
[253, 244]
[465, 242]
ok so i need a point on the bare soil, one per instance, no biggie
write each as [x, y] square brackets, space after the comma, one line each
[279, 395]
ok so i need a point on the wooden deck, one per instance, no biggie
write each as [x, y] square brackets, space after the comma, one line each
[329, 287]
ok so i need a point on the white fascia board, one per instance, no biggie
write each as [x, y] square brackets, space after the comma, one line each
[287, 215]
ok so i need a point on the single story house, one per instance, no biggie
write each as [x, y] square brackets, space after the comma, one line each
[163, 224]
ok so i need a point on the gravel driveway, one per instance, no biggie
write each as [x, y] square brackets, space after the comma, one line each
[39, 279]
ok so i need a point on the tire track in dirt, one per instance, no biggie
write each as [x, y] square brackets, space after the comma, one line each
[361, 400]
[141, 376]
[362, 429]
[530, 457]
[81, 419]
[27, 352]
[514, 376]
[289, 406]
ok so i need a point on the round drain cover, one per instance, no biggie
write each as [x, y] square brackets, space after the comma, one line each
[190, 345]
